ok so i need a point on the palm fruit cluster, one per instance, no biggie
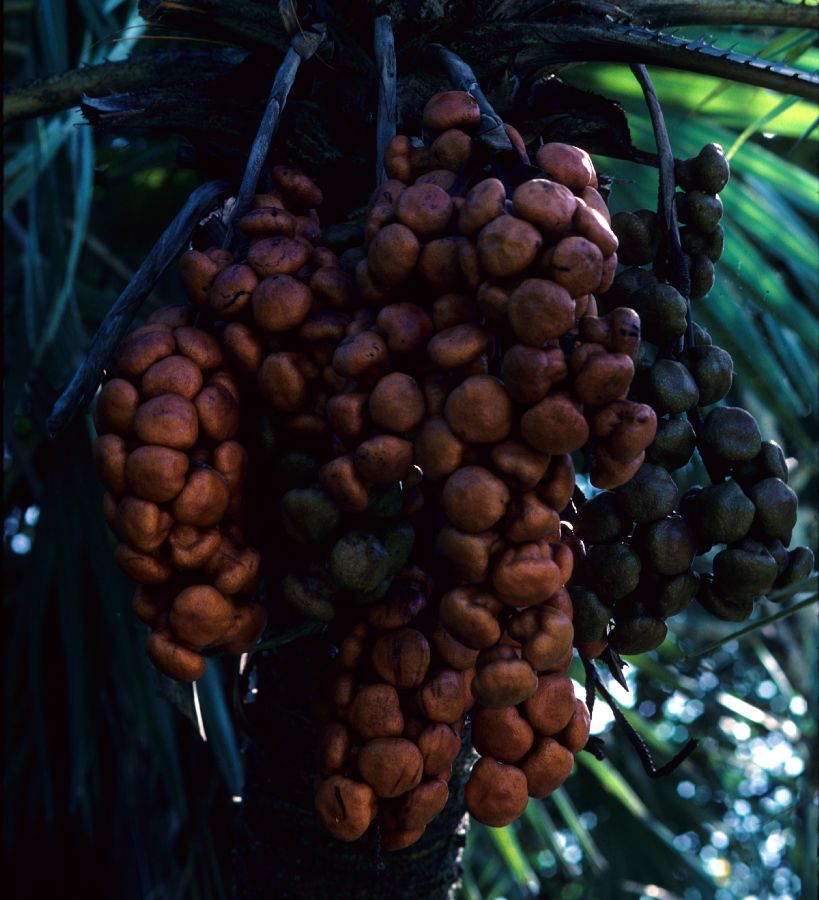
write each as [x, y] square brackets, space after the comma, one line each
[173, 475]
[474, 367]
[642, 541]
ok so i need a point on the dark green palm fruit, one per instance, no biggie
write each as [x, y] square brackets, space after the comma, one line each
[701, 271]
[713, 370]
[358, 562]
[780, 554]
[611, 570]
[662, 310]
[674, 595]
[309, 514]
[297, 468]
[727, 607]
[673, 445]
[711, 245]
[398, 539]
[627, 283]
[351, 257]
[638, 236]
[637, 635]
[701, 336]
[649, 496]
[776, 506]
[699, 209]
[310, 595]
[732, 433]
[768, 463]
[385, 502]
[672, 389]
[708, 171]
[668, 546]
[800, 565]
[599, 520]
[591, 615]
[746, 568]
[720, 513]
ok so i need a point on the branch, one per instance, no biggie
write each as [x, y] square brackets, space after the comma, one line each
[58, 92]
[387, 92]
[118, 319]
[303, 46]
[724, 12]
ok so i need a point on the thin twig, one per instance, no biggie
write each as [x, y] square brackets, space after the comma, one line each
[387, 121]
[302, 46]
[118, 319]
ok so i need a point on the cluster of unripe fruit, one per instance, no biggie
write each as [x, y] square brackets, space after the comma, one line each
[641, 543]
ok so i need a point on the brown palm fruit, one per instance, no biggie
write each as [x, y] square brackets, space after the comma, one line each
[599, 376]
[557, 487]
[502, 734]
[479, 410]
[390, 765]
[526, 575]
[529, 373]
[619, 331]
[116, 408]
[346, 415]
[200, 347]
[550, 708]
[474, 499]
[203, 500]
[230, 459]
[298, 188]
[401, 658]
[375, 711]
[425, 208]
[190, 547]
[267, 221]
[172, 659]
[555, 425]
[539, 310]
[577, 265]
[362, 356]
[625, 428]
[453, 309]
[496, 793]
[405, 326]
[406, 599]
[172, 375]
[392, 255]
[340, 478]
[545, 636]
[575, 735]
[451, 651]
[110, 458]
[398, 839]
[502, 679]
[386, 193]
[156, 473]
[333, 286]
[444, 178]
[507, 246]
[529, 519]
[546, 767]
[142, 348]
[333, 751]
[144, 568]
[243, 348]
[548, 205]
[396, 402]
[483, 203]
[280, 303]
[440, 264]
[567, 165]
[423, 803]
[397, 159]
[141, 524]
[470, 615]
[451, 109]
[383, 459]
[520, 466]
[345, 806]
[173, 316]
[151, 604]
[233, 569]
[441, 697]
[592, 198]
[277, 255]
[231, 290]
[282, 383]
[197, 272]
[200, 615]
[218, 413]
[369, 291]
[457, 346]
[451, 150]
[590, 224]
[468, 554]
[439, 744]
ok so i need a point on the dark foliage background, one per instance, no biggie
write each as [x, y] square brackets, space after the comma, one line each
[110, 791]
